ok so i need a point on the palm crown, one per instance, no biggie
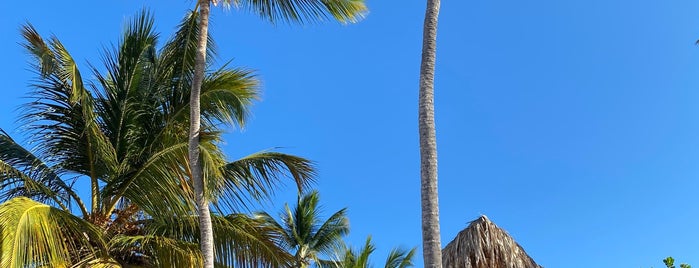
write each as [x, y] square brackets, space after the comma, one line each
[305, 234]
[126, 134]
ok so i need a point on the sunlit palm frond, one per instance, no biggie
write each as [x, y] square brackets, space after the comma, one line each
[240, 241]
[362, 260]
[62, 117]
[155, 251]
[35, 234]
[159, 186]
[257, 175]
[226, 96]
[300, 11]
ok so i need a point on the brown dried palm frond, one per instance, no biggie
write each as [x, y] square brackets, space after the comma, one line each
[485, 245]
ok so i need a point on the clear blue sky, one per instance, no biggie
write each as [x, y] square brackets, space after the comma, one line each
[574, 125]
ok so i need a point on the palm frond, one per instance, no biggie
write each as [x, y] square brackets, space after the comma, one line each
[364, 253]
[23, 174]
[301, 11]
[159, 186]
[400, 258]
[62, 118]
[126, 90]
[240, 240]
[155, 251]
[35, 234]
[331, 232]
[257, 175]
[226, 96]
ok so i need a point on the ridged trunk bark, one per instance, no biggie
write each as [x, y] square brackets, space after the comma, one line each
[431, 242]
[205, 226]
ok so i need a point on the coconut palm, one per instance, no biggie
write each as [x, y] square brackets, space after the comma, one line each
[431, 242]
[303, 232]
[348, 258]
[297, 11]
[123, 134]
[485, 245]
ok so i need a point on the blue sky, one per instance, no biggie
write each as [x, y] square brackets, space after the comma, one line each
[572, 124]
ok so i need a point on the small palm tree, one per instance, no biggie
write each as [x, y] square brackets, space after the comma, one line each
[125, 134]
[348, 258]
[303, 232]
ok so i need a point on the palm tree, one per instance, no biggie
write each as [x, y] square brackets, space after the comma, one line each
[431, 243]
[305, 234]
[123, 134]
[348, 258]
[298, 11]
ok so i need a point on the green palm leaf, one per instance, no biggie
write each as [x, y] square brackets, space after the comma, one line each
[304, 233]
[35, 235]
[23, 174]
[126, 132]
[400, 258]
[241, 241]
[300, 11]
[257, 175]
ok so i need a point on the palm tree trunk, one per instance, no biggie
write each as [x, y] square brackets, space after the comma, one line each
[431, 243]
[205, 226]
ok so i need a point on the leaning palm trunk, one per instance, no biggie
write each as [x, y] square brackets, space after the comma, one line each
[344, 11]
[206, 229]
[431, 244]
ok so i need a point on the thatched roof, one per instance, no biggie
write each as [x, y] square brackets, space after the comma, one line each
[484, 245]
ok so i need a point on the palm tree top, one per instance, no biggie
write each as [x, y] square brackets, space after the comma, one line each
[124, 133]
[301, 11]
[305, 234]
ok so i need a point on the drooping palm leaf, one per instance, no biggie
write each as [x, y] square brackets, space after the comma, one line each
[257, 175]
[35, 235]
[241, 241]
[23, 174]
[62, 117]
[300, 11]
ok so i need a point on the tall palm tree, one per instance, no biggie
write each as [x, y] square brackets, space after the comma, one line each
[305, 234]
[431, 243]
[297, 11]
[123, 134]
[348, 258]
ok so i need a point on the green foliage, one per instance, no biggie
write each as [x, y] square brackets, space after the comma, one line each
[304, 233]
[670, 263]
[125, 134]
[300, 11]
[349, 258]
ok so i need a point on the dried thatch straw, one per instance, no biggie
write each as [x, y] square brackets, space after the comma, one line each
[484, 245]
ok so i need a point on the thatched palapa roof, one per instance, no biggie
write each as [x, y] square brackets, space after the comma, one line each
[485, 245]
